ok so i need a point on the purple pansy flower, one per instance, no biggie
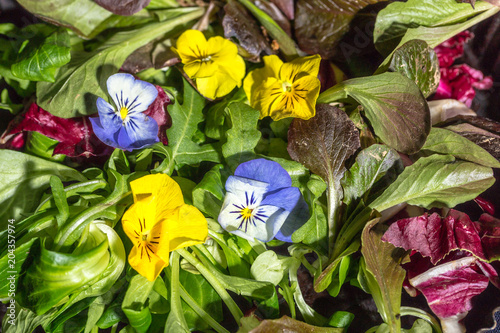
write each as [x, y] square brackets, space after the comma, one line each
[126, 126]
[261, 203]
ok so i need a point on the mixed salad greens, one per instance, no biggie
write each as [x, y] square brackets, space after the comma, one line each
[175, 166]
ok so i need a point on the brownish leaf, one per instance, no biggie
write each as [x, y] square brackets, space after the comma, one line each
[288, 325]
[123, 7]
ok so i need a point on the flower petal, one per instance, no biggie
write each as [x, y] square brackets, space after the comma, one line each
[296, 219]
[149, 267]
[160, 187]
[200, 69]
[255, 79]
[292, 71]
[265, 171]
[286, 198]
[217, 85]
[186, 226]
[241, 185]
[103, 134]
[142, 130]
[109, 118]
[128, 92]
[191, 45]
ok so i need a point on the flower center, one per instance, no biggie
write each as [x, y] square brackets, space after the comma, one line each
[287, 87]
[246, 213]
[123, 112]
[207, 58]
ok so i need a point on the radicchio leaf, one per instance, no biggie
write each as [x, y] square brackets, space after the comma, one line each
[158, 111]
[75, 135]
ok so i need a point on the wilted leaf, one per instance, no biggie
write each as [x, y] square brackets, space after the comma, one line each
[418, 62]
[287, 7]
[41, 56]
[123, 7]
[383, 262]
[436, 181]
[444, 141]
[393, 104]
[240, 24]
[319, 24]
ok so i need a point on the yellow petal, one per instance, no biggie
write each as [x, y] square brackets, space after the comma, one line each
[139, 218]
[163, 189]
[149, 267]
[254, 82]
[234, 68]
[221, 49]
[199, 69]
[271, 89]
[299, 67]
[187, 227]
[192, 44]
[218, 85]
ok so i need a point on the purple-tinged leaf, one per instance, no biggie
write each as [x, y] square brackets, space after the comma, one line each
[383, 262]
[319, 24]
[323, 144]
[435, 237]
[289, 325]
[158, 111]
[490, 238]
[287, 7]
[123, 7]
[272, 10]
[449, 287]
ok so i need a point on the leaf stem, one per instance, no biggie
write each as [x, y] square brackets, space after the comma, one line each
[176, 312]
[410, 311]
[200, 312]
[212, 279]
[333, 216]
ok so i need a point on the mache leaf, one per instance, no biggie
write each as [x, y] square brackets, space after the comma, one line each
[393, 104]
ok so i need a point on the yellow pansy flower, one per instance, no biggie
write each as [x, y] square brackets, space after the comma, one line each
[282, 90]
[215, 64]
[160, 222]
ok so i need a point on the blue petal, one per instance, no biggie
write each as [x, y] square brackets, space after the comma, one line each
[239, 185]
[141, 130]
[265, 171]
[109, 119]
[286, 198]
[297, 218]
[126, 91]
[103, 134]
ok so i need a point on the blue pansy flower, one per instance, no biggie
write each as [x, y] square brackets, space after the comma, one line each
[261, 203]
[126, 126]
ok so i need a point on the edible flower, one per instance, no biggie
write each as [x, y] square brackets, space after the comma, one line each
[215, 64]
[126, 126]
[261, 203]
[160, 222]
[282, 90]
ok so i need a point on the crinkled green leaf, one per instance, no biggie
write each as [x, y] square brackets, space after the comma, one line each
[393, 104]
[243, 135]
[384, 274]
[39, 59]
[24, 178]
[208, 195]
[418, 62]
[443, 141]
[78, 83]
[394, 20]
[436, 181]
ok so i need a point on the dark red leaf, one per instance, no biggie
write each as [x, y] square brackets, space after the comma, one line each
[485, 205]
[158, 111]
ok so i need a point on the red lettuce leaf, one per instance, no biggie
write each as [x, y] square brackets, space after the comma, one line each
[434, 236]
[123, 7]
[75, 135]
